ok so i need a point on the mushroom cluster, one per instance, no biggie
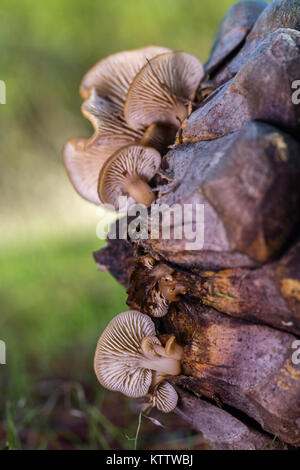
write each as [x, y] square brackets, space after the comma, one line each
[130, 359]
[154, 286]
[136, 101]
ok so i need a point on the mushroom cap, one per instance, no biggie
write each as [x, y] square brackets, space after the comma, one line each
[129, 161]
[164, 397]
[162, 89]
[118, 355]
[83, 163]
[84, 158]
[113, 75]
[108, 121]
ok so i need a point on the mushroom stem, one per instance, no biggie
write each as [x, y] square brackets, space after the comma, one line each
[163, 365]
[139, 190]
[181, 112]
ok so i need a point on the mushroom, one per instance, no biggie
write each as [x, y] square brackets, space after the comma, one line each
[113, 75]
[84, 158]
[110, 125]
[104, 89]
[126, 358]
[163, 90]
[171, 289]
[83, 163]
[164, 290]
[127, 172]
[164, 397]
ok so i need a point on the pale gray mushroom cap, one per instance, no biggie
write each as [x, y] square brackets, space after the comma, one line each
[164, 397]
[113, 75]
[119, 360]
[129, 162]
[162, 89]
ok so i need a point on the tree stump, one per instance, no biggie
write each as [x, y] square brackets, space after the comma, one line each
[238, 315]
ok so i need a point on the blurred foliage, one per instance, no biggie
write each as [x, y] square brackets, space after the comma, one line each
[53, 302]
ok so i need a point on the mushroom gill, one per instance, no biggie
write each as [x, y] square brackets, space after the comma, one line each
[164, 397]
[128, 172]
[112, 76]
[129, 357]
[104, 89]
[163, 90]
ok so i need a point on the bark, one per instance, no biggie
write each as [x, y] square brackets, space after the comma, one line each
[270, 294]
[232, 31]
[233, 301]
[279, 14]
[246, 97]
[248, 367]
[220, 429]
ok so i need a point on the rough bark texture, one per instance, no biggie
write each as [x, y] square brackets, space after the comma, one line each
[238, 309]
[220, 429]
[246, 97]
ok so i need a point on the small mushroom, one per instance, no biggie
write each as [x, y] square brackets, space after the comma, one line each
[127, 361]
[113, 75]
[171, 289]
[166, 289]
[163, 90]
[128, 172]
[164, 397]
[154, 286]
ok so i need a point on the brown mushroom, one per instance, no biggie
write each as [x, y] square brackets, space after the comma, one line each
[127, 172]
[163, 90]
[171, 289]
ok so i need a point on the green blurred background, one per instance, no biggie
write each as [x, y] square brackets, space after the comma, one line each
[53, 302]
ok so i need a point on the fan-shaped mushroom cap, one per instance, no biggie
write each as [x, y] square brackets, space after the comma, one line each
[164, 397]
[120, 362]
[127, 172]
[113, 75]
[83, 163]
[162, 89]
[84, 158]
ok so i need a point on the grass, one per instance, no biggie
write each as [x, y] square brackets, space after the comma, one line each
[54, 305]
[53, 302]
